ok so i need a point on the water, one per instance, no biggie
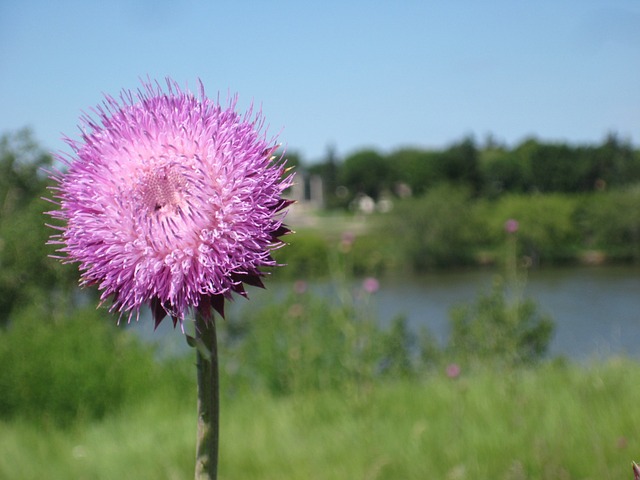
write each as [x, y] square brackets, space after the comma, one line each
[596, 310]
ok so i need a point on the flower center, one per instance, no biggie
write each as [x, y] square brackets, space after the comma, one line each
[162, 189]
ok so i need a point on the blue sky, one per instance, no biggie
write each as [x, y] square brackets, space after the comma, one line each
[381, 74]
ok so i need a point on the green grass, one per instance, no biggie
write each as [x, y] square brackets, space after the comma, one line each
[551, 422]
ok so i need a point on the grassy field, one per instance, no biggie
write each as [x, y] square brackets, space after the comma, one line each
[551, 422]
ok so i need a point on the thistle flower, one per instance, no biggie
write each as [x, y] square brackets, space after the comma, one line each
[511, 226]
[170, 200]
[370, 285]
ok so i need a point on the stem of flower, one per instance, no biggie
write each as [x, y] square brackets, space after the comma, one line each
[208, 399]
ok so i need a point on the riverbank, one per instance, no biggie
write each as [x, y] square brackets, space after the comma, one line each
[448, 228]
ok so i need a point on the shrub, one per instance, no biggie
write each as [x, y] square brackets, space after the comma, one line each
[612, 220]
[547, 228]
[306, 256]
[497, 330]
[69, 369]
[435, 230]
[308, 341]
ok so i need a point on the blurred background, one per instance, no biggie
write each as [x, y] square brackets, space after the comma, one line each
[462, 287]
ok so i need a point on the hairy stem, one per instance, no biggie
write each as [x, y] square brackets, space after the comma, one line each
[208, 399]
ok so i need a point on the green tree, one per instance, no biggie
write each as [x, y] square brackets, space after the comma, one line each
[436, 230]
[558, 168]
[504, 171]
[498, 329]
[418, 169]
[461, 164]
[547, 224]
[611, 221]
[27, 274]
[367, 172]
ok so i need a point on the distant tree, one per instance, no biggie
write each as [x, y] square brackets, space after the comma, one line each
[418, 169]
[611, 220]
[613, 163]
[503, 171]
[366, 172]
[436, 230]
[461, 164]
[559, 168]
[27, 275]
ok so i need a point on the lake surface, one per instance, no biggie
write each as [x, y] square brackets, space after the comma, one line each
[596, 310]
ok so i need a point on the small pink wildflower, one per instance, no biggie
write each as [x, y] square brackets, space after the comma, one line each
[511, 226]
[170, 200]
[370, 285]
[453, 370]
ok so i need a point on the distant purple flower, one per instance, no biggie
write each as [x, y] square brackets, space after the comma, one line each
[300, 287]
[511, 226]
[170, 200]
[370, 285]
[453, 370]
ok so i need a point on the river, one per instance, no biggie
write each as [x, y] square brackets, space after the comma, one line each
[596, 310]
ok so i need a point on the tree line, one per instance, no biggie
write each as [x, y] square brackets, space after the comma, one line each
[489, 170]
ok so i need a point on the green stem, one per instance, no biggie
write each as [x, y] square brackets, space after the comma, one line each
[208, 399]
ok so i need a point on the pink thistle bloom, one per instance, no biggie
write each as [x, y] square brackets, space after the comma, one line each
[370, 285]
[170, 200]
[453, 370]
[511, 226]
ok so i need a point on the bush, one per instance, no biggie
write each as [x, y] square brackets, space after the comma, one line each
[313, 342]
[494, 329]
[612, 221]
[68, 369]
[306, 256]
[438, 229]
[547, 228]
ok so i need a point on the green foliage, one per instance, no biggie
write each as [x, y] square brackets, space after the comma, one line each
[314, 254]
[612, 220]
[27, 274]
[489, 171]
[417, 169]
[73, 367]
[366, 172]
[504, 171]
[495, 329]
[309, 342]
[435, 230]
[551, 422]
[547, 224]
[306, 256]
[555, 168]
[461, 164]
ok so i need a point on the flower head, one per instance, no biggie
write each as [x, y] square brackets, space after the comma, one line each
[511, 226]
[370, 285]
[170, 200]
[453, 370]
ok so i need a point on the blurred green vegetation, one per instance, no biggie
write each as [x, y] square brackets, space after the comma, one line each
[488, 170]
[447, 227]
[312, 385]
[27, 275]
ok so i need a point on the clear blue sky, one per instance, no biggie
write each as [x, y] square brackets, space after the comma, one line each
[351, 74]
